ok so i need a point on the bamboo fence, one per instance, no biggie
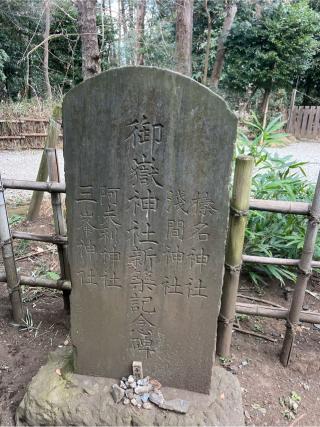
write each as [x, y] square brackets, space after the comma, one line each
[51, 142]
[59, 222]
[240, 203]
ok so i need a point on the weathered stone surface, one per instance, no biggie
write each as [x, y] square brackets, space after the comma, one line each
[177, 405]
[72, 399]
[147, 164]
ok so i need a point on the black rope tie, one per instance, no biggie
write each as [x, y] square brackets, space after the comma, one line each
[224, 320]
[238, 212]
[16, 288]
[233, 268]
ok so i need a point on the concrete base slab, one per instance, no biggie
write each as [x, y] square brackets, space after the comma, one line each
[56, 396]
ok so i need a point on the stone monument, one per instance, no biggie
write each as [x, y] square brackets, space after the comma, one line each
[147, 164]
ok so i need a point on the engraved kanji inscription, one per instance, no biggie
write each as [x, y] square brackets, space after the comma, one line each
[174, 256]
[143, 132]
[146, 202]
[198, 259]
[202, 205]
[177, 201]
[175, 229]
[145, 172]
[200, 231]
[111, 280]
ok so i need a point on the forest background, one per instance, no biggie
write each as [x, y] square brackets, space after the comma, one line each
[250, 51]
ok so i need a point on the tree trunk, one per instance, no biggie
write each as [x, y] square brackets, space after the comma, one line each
[264, 106]
[89, 39]
[184, 26]
[206, 59]
[102, 13]
[119, 33]
[124, 18]
[141, 12]
[227, 24]
[46, 48]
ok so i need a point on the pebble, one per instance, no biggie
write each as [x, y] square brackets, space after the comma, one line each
[117, 393]
[130, 379]
[129, 393]
[176, 405]
[156, 398]
[123, 385]
[126, 401]
[147, 405]
[156, 384]
[134, 402]
[142, 389]
[133, 385]
[145, 397]
[138, 399]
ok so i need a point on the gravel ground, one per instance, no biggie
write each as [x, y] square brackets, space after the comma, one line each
[306, 152]
[24, 164]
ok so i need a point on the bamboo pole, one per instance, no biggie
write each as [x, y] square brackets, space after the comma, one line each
[304, 272]
[280, 206]
[50, 187]
[51, 142]
[59, 222]
[238, 220]
[291, 110]
[54, 239]
[9, 262]
[275, 261]
[274, 312]
[35, 282]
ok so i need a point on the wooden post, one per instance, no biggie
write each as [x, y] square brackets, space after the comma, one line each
[304, 272]
[292, 105]
[9, 262]
[238, 220]
[51, 142]
[59, 222]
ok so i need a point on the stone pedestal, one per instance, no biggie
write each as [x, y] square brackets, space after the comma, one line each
[71, 399]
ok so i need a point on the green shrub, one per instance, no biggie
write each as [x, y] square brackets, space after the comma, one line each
[274, 178]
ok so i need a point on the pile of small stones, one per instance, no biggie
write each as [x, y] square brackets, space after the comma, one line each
[141, 392]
